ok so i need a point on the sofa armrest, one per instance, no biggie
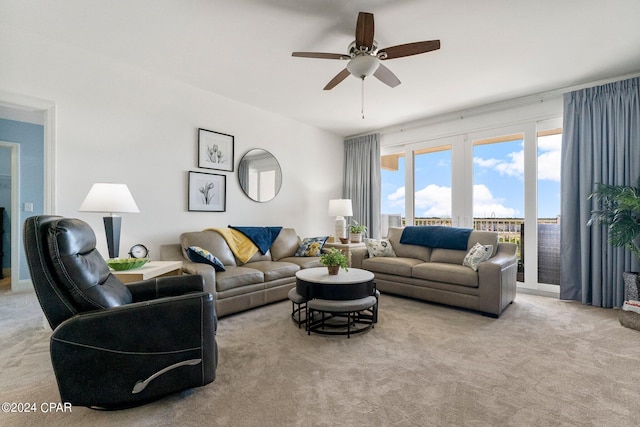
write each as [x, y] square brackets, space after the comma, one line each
[357, 256]
[172, 252]
[497, 280]
[207, 272]
[505, 255]
[160, 287]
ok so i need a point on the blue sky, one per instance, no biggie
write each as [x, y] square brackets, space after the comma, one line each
[498, 184]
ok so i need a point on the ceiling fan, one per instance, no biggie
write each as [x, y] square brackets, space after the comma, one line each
[364, 56]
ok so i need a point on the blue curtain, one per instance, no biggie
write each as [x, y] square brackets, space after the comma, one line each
[362, 180]
[600, 144]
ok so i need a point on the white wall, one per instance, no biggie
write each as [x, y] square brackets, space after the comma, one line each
[517, 111]
[116, 123]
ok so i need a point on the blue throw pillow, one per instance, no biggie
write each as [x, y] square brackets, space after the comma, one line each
[197, 254]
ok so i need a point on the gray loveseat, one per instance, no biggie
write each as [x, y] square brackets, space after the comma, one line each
[261, 280]
[437, 275]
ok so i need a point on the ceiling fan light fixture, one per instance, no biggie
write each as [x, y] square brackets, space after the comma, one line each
[363, 66]
[364, 57]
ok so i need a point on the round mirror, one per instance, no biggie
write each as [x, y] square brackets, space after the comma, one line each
[260, 175]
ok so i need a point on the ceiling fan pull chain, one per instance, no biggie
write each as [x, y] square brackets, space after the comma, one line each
[362, 103]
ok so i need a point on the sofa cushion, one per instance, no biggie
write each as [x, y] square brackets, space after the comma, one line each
[285, 245]
[407, 251]
[484, 238]
[274, 270]
[476, 255]
[210, 241]
[449, 256]
[311, 246]
[379, 247]
[446, 273]
[197, 254]
[235, 277]
[259, 257]
[304, 261]
[391, 265]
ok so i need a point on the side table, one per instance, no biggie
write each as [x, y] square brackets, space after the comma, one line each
[150, 270]
[346, 248]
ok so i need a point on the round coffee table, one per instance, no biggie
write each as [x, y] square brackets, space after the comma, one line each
[318, 283]
[349, 295]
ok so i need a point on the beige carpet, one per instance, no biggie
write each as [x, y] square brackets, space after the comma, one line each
[543, 363]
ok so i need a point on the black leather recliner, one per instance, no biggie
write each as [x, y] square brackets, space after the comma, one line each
[115, 346]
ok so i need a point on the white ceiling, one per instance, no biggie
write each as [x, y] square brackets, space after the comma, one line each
[492, 50]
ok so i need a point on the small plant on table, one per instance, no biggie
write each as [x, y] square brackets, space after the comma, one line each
[334, 259]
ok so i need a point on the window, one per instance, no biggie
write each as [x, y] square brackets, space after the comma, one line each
[500, 179]
[432, 184]
[392, 182]
[393, 192]
[498, 187]
[549, 149]
[498, 176]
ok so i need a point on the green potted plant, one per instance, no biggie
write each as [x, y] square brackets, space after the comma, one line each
[334, 259]
[355, 231]
[618, 207]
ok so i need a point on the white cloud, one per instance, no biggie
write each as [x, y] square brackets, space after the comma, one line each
[435, 201]
[549, 165]
[397, 198]
[514, 166]
[486, 206]
[485, 163]
[549, 142]
[549, 160]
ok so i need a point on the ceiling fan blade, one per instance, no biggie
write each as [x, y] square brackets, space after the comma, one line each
[408, 49]
[337, 79]
[320, 55]
[364, 30]
[386, 76]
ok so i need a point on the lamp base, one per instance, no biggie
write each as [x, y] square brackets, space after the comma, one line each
[112, 226]
[340, 227]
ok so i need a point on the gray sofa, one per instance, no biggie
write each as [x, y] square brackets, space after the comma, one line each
[261, 280]
[437, 275]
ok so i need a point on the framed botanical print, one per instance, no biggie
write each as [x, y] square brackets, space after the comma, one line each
[215, 150]
[207, 192]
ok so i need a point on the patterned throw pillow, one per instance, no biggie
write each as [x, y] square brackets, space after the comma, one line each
[476, 255]
[197, 254]
[311, 246]
[380, 247]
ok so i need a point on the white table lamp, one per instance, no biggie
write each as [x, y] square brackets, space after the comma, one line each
[340, 208]
[110, 198]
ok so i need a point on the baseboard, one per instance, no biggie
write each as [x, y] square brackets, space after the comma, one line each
[22, 285]
[538, 292]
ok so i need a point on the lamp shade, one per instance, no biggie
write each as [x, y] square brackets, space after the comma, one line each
[109, 197]
[340, 207]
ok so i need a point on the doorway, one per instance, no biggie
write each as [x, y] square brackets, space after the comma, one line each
[9, 200]
[18, 112]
